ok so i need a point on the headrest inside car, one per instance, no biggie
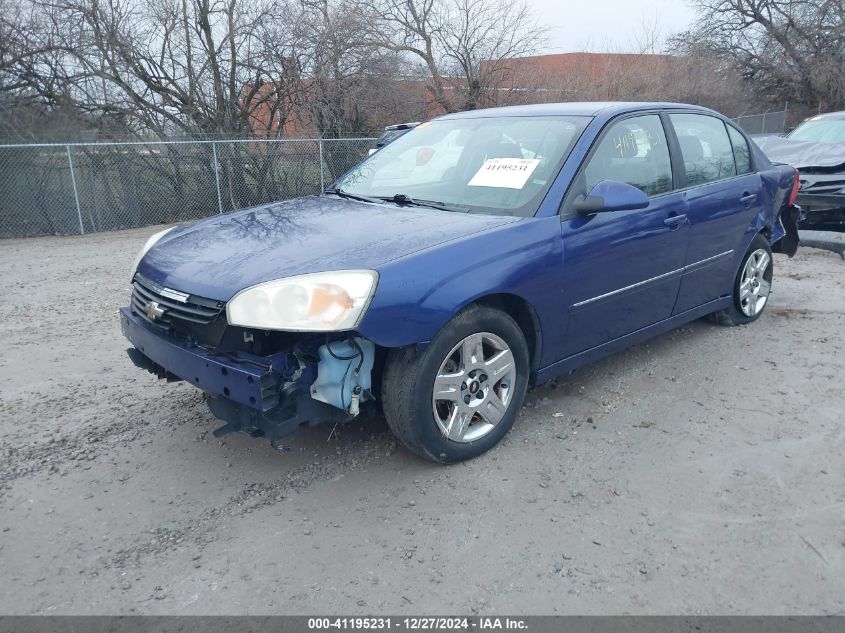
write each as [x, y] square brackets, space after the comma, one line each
[505, 150]
[691, 148]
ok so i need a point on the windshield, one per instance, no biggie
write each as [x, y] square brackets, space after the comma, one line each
[485, 165]
[820, 130]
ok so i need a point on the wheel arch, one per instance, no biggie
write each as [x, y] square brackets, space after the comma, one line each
[515, 306]
[526, 318]
[759, 226]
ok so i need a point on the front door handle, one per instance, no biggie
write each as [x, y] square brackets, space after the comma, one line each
[747, 198]
[675, 221]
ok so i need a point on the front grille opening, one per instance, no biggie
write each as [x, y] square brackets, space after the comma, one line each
[196, 310]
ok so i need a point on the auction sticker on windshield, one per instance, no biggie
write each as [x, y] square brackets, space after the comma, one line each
[510, 173]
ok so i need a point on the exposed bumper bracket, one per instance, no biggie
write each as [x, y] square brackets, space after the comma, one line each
[248, 381]
[788, 244]
[139, 360]
[298, 409]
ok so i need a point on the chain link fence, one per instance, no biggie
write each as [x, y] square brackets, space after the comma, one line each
[62, 189]
[50, 189]
[763, 123]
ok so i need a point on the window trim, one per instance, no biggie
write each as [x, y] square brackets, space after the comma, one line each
[679, 171]
[566, 213]
[730, 144]
[752, 167]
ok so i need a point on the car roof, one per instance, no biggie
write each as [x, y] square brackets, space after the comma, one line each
[827, 115]
[400, 126]
[575, 108]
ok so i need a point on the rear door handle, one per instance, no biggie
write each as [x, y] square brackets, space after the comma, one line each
[675, 221]
[747, 198]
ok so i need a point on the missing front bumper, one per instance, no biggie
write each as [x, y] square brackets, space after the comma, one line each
[250, 381]
[268, 396]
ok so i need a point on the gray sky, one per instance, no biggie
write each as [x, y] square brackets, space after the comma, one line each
[607, 25]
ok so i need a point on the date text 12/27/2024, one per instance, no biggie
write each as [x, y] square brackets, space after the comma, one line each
[417, 623]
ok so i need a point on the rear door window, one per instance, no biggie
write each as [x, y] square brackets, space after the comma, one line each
[705, 147]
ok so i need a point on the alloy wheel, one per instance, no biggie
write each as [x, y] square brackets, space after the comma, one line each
[755, 284]
[474, 387]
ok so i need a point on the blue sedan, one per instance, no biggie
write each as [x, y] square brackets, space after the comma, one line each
[477, 254]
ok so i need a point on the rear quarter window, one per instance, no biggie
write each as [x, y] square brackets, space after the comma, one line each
[742, 155]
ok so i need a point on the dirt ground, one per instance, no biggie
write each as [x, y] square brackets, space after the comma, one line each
[699, 473]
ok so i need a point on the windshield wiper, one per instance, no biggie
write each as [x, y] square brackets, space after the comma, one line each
[351, 196]
[400, 198]
[406, 201]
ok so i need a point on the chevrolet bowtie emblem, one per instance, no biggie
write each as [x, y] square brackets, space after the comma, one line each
[153, 310]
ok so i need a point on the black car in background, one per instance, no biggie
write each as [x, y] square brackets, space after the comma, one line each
[391, 133]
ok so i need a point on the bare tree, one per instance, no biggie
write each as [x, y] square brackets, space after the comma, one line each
[787, 49]
[204, 67]
[345, 74]
[171, 66]
[464, 48]
[24, 40]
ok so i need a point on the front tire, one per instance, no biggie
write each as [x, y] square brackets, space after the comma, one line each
[460, 396]
[752, 286]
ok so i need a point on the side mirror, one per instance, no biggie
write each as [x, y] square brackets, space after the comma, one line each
[611, 195]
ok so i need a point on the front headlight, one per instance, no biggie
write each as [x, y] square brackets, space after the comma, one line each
[317, 302]
[149, 244]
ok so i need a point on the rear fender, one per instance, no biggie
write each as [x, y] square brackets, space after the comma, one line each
[781, 223]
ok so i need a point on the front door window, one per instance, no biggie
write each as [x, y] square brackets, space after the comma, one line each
[633, 151]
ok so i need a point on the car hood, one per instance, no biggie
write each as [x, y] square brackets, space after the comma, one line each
[217, 257]
[802, 154]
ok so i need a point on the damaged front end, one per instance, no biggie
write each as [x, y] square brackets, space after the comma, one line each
[263, 383]
[822, 196]
[821, 190]
[341, 385]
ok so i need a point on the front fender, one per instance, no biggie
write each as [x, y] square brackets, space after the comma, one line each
[417, 295]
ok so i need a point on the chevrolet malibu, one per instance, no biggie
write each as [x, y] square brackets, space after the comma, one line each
[480, 253]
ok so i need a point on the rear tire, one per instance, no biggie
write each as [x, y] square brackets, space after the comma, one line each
[751, 288]
[459, 396]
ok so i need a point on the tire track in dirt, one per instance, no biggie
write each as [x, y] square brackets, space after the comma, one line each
[61, 447]
[202, 529]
